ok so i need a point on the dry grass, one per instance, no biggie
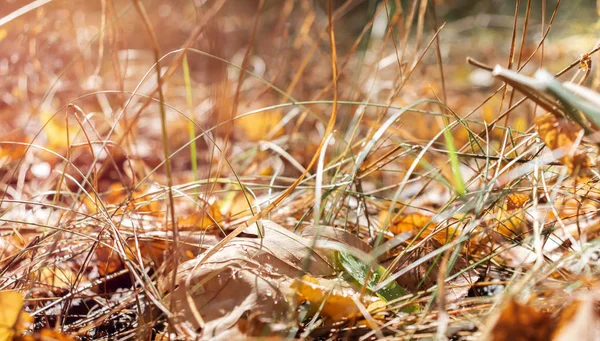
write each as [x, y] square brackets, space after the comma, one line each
[147, 147]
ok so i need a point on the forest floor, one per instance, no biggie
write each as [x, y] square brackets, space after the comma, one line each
[326, 170]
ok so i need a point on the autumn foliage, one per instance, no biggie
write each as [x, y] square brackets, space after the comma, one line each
[351, 170]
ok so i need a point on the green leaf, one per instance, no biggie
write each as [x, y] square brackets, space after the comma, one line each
[459, 184]
[359, 271]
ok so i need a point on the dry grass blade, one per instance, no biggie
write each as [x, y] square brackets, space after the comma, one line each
[326, 170]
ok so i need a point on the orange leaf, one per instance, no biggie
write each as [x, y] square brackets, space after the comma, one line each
[515, 201]
[326, 297]
[519, 322]
[561, 133]
[512, 215]
[420, 225]
[118, 195]
[108, 260]
[412, 223]
[202, 219]
[9, 149]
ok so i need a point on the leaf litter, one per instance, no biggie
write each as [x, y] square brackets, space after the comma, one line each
[307, 191]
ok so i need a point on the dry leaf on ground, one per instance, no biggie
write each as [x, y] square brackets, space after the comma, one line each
[561, 133]
[419, 225]
[580, 320]
[248, 278]
[511, 216]
[13, 321]
[202, 219]
[335, 299]
[425, 275]
[519, 322]
[55, 278]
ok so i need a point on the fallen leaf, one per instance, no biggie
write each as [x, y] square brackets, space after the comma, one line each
[11, 147]
[518, 322]
[568, 207]
[202, 219]
[515, 201]
[248, 276]
[108, 261]
[59, 136]
[419, 225]
[377, 309]
[327, 233]
[517, 256]
[561, 133]
[154, 244]
[580, 320]
[334, 299]
[118, 195]
[56, 278]
[258, 126]
[511, 216]
[12, 245]
[13, 321]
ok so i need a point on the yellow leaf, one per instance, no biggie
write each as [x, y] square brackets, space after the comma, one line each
[489, 114]
[91, 202]
[236, 205]
[258, 126]
[411, 223]
[118, 195]
[520, 124]
[13, 321]
[58, 136]
[55, 277]
[377, 308]
[325, 297]
[201, 220]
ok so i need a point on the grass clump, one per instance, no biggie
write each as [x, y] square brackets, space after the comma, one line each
[302, 170]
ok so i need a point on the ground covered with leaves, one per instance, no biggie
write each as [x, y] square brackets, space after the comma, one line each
[294, 169]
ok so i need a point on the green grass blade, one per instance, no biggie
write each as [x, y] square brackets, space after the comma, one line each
[191, 129]
[459, 183]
